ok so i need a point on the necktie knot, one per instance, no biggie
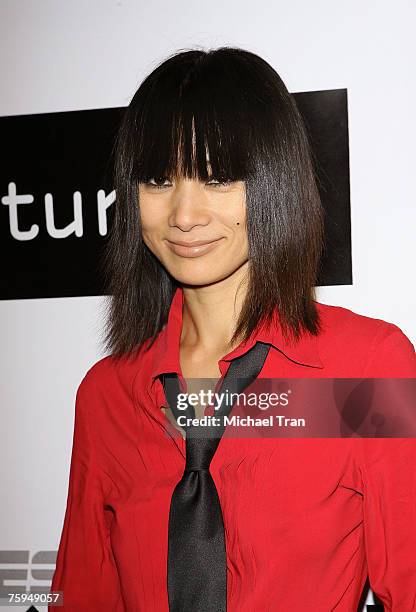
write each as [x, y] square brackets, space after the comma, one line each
[199, 452]
[196, 469]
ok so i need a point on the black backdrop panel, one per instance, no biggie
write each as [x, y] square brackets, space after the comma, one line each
[72, 152]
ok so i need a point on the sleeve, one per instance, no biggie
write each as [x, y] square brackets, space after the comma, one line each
[389, 482]
[388, 467]
[85, 569]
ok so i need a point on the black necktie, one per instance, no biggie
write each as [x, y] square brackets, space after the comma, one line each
[197, 564]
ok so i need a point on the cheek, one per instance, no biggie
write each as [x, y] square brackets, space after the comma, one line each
[234, 214]
[150, 226]
[150, 217]
[242, 241]
[240, 226]
[242, 235]
[240, 219]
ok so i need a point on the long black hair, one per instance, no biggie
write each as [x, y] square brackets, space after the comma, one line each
[235, 105]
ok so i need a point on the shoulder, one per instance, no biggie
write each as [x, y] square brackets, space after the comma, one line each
[113, 376]
[380, 347]
[338, 320]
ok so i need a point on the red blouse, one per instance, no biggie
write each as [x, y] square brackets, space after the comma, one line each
[305, 519]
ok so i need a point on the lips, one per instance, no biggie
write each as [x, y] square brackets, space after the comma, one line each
[195, 243]
[193, 249]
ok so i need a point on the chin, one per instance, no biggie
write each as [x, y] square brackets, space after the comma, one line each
[198, 279]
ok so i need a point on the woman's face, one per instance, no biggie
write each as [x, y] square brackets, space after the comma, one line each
[188, 211]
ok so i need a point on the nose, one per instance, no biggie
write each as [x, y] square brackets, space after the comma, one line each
[188, 205]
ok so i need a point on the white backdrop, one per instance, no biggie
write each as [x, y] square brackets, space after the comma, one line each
[58, 56]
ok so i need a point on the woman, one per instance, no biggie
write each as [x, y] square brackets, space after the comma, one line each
[214, 251]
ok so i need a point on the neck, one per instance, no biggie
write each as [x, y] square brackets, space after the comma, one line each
[211, 312]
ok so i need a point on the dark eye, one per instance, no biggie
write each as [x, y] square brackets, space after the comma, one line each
[219, 182]
[157, 183]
